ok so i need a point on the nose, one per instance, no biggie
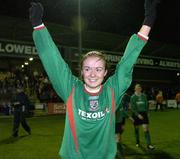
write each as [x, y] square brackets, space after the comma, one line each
[93, 72]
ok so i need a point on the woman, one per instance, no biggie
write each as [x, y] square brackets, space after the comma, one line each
[91, 103]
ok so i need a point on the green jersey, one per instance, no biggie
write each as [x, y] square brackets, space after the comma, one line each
[121, 113]
[139, 103]
[90, 118]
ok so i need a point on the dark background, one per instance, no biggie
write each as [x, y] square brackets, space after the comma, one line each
[115, 16]
[120, 17]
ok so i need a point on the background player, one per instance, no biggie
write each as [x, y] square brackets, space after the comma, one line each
[139, 107]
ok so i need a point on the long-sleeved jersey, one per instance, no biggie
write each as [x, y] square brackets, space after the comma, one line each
[139, 103]
[90, 118]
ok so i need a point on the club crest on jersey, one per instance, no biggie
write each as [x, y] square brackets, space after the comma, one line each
[94, 104]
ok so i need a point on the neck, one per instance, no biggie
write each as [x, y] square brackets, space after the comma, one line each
[92, 90]
[138, 93]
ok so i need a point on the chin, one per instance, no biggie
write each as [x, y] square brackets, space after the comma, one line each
[92, 86]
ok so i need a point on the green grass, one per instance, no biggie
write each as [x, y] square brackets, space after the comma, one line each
[47, 132]
[165, 135]
[44, 142]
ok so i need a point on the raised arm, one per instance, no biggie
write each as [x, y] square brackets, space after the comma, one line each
[123, 74]
[57, 69]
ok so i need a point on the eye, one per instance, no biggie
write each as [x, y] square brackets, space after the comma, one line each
[99, 69]
[86, 69]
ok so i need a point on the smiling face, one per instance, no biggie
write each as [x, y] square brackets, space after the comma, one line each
[93, 71]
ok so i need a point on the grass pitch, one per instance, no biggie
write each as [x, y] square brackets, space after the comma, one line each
[47, 132]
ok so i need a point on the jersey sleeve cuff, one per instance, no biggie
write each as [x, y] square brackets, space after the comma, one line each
[39, 27]
[142, 36]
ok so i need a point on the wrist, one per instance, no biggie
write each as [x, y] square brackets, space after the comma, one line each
[39, 27]
[142, 36]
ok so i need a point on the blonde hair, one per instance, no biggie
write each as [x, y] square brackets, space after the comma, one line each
[98, 54]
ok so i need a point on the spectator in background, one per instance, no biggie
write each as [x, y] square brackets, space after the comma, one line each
[140, 107]
[178, 99]
[20, 103]
[159, 101]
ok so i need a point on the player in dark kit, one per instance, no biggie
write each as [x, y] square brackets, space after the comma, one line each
[121, 115]
[139, 107]
[20, 104]
[91, 103]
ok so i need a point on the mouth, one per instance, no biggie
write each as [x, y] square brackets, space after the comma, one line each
[92, 80]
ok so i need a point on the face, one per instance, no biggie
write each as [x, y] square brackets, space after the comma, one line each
[138, 89]
[93, 72]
